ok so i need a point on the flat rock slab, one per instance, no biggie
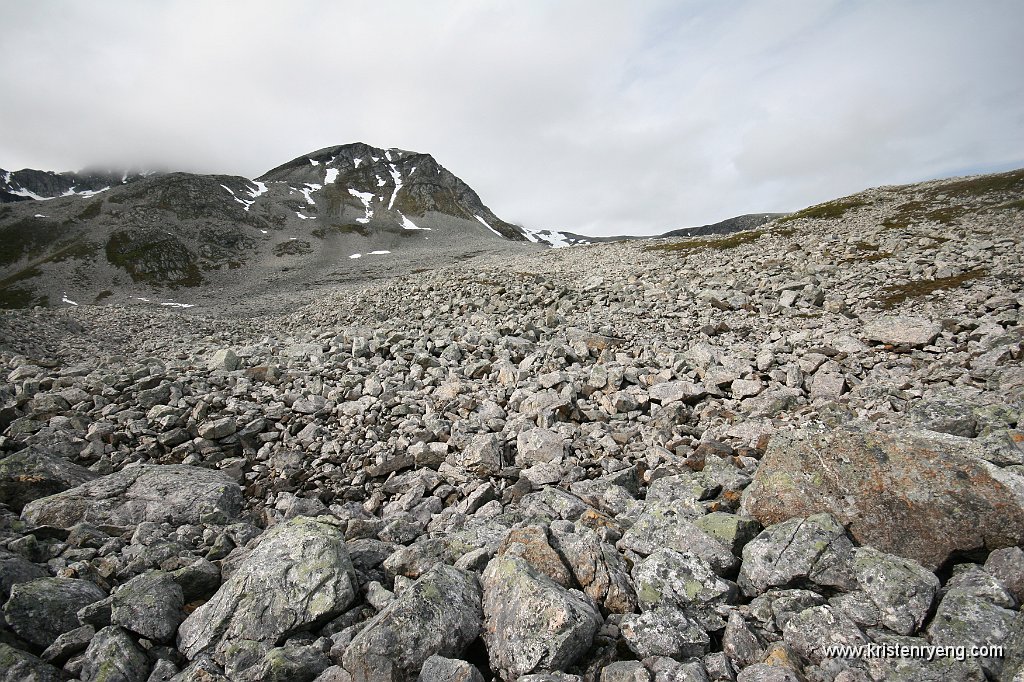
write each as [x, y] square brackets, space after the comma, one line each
[299, 575]
[33, 473]
[902, 330]
[177, 494]
[904, 493]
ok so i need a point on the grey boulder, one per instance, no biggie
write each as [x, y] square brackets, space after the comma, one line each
[298, 576]
[32, 473]
[902, 589]
[149, 605]
[531, 623]
[439, 614]
[42, 609]
[113, 656]
[176, 494]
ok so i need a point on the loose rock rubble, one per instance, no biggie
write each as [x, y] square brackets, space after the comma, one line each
[638, 461]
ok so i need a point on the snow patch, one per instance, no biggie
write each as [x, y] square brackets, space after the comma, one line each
[397, 177]
[261, 188]
[40, 215]
[484, 223]
[172, 304]
[380, 181]
[304, 217]
[264, 231]
[314, 162]
[366, 198]
[332, 175]
[356, 255]
[310, 188]
[245, 204]
[65, 299]
[556, 239]
[410, 225]
[146, 300]
[86, 193]
[28, 193]
[357, 162]
[387, 154]
[379, 253]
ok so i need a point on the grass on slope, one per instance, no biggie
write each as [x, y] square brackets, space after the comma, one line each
[895, 294]
[836, 208]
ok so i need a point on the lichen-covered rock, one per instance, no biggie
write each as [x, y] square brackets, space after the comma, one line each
[1007, 565]
[732, 530]
[902, 589]
[532, 623]
[482, 456]
[664, 632]
[440, 613]
[686, 582]
[965, 619]
[597, 567]
[43, 608]
[625, 671]
[32, 473]
[812, 630]
[149, 605]
[815, 549]
[113, 656]
[441, 669]
[20, 666]
[297, 576]
[531, 544]
[176, 494]
[906, 493]
[664, 525]
[68, 644]
[289, 663]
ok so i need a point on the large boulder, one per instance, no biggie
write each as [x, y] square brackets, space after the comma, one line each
[19, 666]
[920, 497]
[16, 569]
[297, 577]
[532, 623]
[902, 330]
[32, 473]
[42, 609]
[150, 605]
[176, 494]
[439, 614]
[113, 656]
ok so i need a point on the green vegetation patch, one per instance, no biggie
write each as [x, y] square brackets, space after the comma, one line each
[28, 238]
[829, 210]
[351, 228]
[720, 244]
[14, 295]
[892, 296]
[153, 257]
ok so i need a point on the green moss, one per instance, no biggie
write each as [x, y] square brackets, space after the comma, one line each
[27, 238]
[351, 228]
[1012, 205]
[106, 293]
[92, 210]
[892, 296]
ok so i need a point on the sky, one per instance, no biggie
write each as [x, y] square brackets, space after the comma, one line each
[593, 116]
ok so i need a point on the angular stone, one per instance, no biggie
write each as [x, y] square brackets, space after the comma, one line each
[19, 666]
[904, 493]
[663, 525]
[625, 671]
[309, 404]
[672, 391]
[440, 613]
[1007, 565]
[171, 493]
[69, 644]
[217, 428]
[813, 629]
[538, 446]
[149, 605]
[686, 582]
[664, 632]
[531, 545]
[16, 569]
[598, 568]
[289, 663]
[903, 330]
[530, 622]
[815, 548]
[441, 669]
[963, 619]
[113, 656]
[732, 530]
[902, 589]
[483, 456]
[42, 609]
[32, 473]
[298, 576]
[224, 359]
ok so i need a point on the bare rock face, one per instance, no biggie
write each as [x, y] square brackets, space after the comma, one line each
[298, 575]
[438, 615]
[33, 473]
[904, 493]
[531, 623]
[176, 494]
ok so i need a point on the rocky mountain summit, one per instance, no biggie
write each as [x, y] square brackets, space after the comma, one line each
[346, 213]
[708, 459]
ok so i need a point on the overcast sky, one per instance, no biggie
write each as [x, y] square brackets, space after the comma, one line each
[595, 116]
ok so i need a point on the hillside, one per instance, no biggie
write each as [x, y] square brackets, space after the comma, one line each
[706, 458]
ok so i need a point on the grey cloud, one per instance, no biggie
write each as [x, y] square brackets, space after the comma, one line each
[593, 116]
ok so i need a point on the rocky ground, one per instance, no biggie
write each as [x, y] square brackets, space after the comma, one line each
[682, 460]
